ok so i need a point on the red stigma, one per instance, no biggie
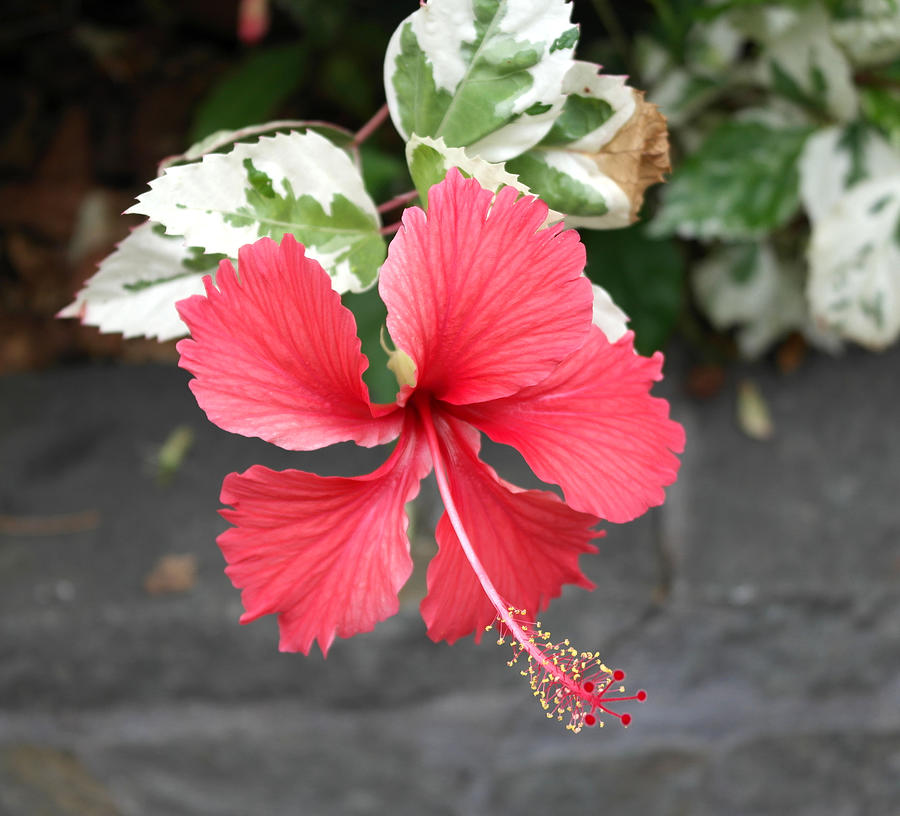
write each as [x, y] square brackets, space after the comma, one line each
[588, 686]
[589, 720]
[618, 675]
[626, 720]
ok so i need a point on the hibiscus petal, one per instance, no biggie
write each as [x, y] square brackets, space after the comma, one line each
[276, 355]
[328, 555]
[592, 428]
[527, 540]
[484, 300]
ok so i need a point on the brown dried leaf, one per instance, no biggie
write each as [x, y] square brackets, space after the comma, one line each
[638, 155]
[172, 573]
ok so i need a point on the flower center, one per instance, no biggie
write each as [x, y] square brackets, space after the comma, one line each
[400, 363]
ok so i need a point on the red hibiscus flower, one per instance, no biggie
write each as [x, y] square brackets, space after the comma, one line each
[491, 318]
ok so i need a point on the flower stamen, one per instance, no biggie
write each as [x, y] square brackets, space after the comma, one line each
[568, 683]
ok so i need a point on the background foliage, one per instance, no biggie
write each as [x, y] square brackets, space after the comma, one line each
[97, 94]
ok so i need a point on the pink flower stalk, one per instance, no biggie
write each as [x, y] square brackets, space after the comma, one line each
[253, 21]
[491, 317]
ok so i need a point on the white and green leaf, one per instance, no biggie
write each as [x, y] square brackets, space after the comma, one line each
[220, 140]
[869, 31]
[835, 159]
[593, 163]
[748, 287]
[854, 260]
[483, 74]
[430, 159]
[740, 184]
[802, 62]
[135, 289]
[596, 107]
[573, 184]
[298, 183]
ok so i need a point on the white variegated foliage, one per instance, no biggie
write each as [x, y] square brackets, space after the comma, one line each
[799, 49]
[871, 36]
[850, 186]
[216, 142]
[135, 289]
[836, 158]
[593, 165]
[854, 259]
[307, 188]
[482, 74]
[430, 159]
[747, 287]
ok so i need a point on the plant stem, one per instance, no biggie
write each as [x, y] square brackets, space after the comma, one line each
[398, 201]
[371, 126]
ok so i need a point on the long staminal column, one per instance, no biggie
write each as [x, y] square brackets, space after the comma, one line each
[569, 684]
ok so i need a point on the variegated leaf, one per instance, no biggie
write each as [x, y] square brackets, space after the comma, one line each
[741, 183]
[835, 159]
[430, 159]
[483, 74]
[298, 183]
[221, 139]
[745, 286]
[801, 61]
[854, 259]
[605, 148]
[869, 31]
[135, 289]
[572, 183]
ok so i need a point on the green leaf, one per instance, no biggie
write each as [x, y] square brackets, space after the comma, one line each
[558, 181]
[427, 165]
[580, 116]
[645, 277]
[566, 40]
[298, 183]
[252, 91]
[485, 74]
[371, 314]
[881, 107]
[344, 233]
[741, 183]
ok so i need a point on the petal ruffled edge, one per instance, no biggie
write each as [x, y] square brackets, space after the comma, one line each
[275, 354]
[593, 428]
[328, 555]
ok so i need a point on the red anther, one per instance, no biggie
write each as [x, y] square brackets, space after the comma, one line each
[588, 687]
[626, 720]
[618, 675]
[641, 696]
[589, 720]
